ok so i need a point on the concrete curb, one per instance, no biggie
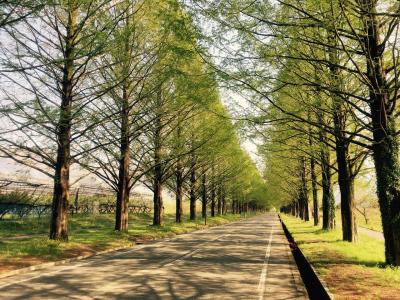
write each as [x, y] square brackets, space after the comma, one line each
[321, 280]
[298, 281]
[82, 257]
[304, 261]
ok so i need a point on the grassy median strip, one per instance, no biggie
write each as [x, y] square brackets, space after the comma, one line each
[88, 234]
[351, 270]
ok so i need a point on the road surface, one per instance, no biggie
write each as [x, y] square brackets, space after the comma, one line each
[249, 259]
[372, 233]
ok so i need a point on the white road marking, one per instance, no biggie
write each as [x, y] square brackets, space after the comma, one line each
[191, 252]
[44, 274]
[263, 276]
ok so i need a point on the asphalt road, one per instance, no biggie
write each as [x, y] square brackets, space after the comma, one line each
[249, 259]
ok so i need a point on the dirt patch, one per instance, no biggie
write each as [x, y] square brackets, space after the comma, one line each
[83, 250]
[344, 281]
[138, 240]
[10, 264]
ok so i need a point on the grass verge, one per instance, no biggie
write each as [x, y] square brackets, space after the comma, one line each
[351, 270]
[374, 219]
[88, 234]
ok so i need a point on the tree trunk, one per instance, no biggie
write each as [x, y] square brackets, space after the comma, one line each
[314, 188]
[385, 148]
[122, 209]
[328, 200]
[77, 201]
[219, 201]
[300, 204]
[59, 215]
[179, 182]
[223, 202]
[157, 200]
[158, 174]
[346, 185]
[213, 200]
[204, 196]
[304, 191]
[193, 191]
[314, 192]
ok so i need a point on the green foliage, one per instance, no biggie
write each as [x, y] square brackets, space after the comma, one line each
[17, 197]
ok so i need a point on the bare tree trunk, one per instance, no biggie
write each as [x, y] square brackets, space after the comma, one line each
[328, 201]
[223, 202]
[212, 198]
[293, 209]
[219, 201]
[122, 209]
[314, 188]
[204, 196]
[193, 191]
[314, 192]
[212, 192]
[179, 182]
[300, 204]
[158, 176]
[296, 209]
[304, 191]
[59, 216]
[213, 202]
[77, 201]
[346, 186]
[157, 200]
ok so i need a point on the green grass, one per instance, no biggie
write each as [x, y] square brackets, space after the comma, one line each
[9, 228]
[374, 219]
[338, 261]
[87, 234]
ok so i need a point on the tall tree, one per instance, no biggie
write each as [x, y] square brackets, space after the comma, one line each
[50, 59]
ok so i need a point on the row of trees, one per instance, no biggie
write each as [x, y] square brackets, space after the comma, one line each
[322, 78]
[118, 88]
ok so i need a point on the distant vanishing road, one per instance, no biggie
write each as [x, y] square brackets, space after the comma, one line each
[249, 259]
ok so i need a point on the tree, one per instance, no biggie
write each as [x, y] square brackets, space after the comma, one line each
[49, 65]
[130, 59]
[13, 11]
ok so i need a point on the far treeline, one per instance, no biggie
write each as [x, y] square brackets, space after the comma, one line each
[323, 81]
[119, 89]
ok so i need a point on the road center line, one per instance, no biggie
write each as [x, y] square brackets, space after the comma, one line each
[94, 259]
[263, 276]
[191, 252]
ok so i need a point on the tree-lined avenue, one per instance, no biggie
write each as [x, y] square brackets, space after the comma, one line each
[248, 259]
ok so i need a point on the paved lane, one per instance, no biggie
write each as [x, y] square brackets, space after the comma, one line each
[249, 259]
[372, 233]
